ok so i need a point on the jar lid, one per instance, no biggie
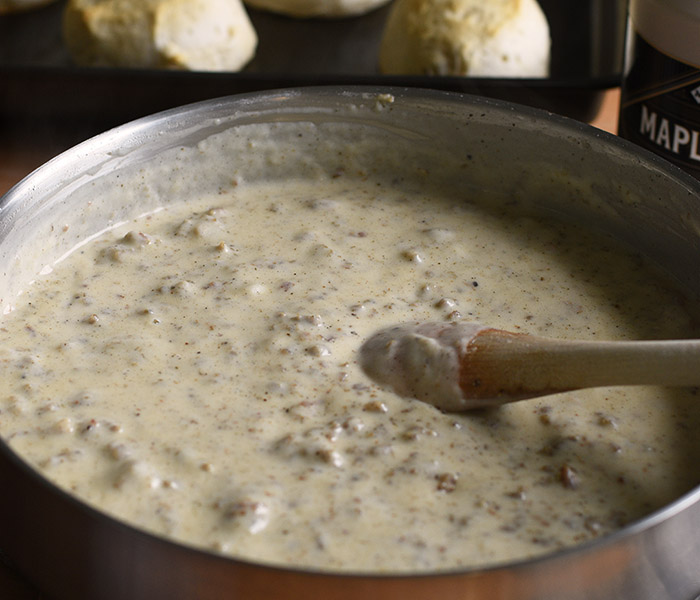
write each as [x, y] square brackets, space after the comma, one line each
[690, 7]
[671, 26]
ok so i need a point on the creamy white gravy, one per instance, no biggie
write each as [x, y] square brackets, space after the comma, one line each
[194, 372]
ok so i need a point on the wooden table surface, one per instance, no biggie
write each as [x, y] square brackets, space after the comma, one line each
[23, 150]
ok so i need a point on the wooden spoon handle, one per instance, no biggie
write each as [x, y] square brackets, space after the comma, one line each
[498, 363]
[461, 366]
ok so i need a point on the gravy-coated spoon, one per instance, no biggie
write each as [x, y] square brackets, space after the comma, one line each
[462, 366]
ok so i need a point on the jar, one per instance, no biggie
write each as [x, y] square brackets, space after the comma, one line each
[660, 98]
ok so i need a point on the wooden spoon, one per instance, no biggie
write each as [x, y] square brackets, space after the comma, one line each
[461, 366]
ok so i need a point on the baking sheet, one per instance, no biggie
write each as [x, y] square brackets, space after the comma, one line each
[37, 77]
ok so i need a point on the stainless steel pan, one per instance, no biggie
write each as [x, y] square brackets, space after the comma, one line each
[566, 169]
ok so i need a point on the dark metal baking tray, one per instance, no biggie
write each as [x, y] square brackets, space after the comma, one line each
[38, 80]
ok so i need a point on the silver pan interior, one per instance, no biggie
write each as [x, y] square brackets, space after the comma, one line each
[562, 168]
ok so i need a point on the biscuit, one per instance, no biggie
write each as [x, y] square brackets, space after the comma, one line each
[202, 35]
[317, 8]
[479, 38]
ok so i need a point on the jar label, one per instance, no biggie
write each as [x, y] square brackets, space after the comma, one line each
[660, 105]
